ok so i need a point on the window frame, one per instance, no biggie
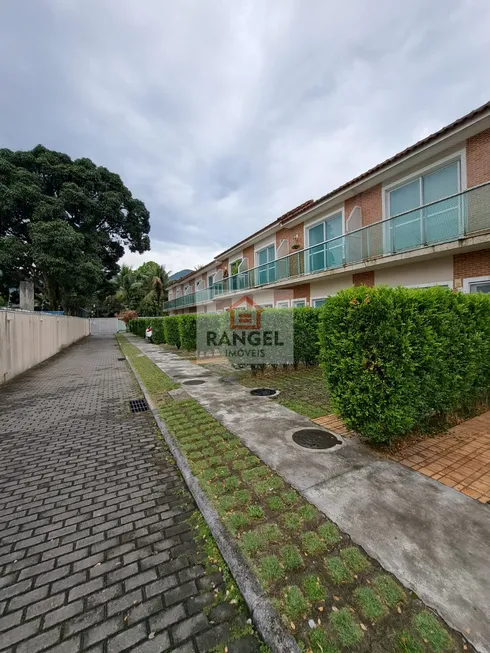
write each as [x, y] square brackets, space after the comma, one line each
[264, 266]
[315, 223]
[294, 302]
[317, 299]
[459, 156]
[467, 283]
[448, 284]
[282, 301]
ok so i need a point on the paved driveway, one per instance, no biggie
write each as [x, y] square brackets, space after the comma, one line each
[95, 552]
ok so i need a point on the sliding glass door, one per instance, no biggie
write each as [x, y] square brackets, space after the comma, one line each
[266, 265]
[420, 225]
[322, 254]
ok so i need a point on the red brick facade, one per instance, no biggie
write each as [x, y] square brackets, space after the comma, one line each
[302, 292]
[248, 253]
[290, 235]
[371, 203]
[478, 159]
[363, 279]
[473, 264]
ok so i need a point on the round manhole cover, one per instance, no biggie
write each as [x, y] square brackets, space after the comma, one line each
[193, 382]
[263, 392]
[315, 439]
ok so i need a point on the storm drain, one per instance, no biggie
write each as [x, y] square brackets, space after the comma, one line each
[123, 358]
[138, 405]
[193, 382]
[315, 439]
[263, 392]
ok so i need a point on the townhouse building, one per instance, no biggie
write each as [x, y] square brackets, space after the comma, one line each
[418, 219]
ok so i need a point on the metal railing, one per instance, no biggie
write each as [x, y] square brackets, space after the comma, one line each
[438, 222]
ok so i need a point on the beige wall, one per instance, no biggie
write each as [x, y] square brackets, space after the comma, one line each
[330, 286]
[27, 339]
[435, 270]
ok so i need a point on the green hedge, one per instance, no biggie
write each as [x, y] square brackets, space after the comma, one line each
[180, 330]
[139, 326]
[158, 330]
[396, 358]
[187, 331]
[306, 342]
[171, 330]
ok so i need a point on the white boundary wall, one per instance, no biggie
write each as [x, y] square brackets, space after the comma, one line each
[28, 338]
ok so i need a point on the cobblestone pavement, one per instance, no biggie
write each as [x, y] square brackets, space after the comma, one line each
[95, 551]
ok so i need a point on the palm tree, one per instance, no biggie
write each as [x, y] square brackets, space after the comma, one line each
[126, 285]
[158, 283]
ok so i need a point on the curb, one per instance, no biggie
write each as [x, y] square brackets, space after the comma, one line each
[263, 613]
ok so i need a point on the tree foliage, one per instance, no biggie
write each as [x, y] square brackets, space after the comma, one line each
[65, 224]
[143, 290]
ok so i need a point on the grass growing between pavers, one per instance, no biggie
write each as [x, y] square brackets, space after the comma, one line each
[329, 593]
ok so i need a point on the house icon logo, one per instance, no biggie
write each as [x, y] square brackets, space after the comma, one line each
[245, 314]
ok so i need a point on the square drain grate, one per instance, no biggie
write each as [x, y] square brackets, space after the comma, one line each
[138, 405]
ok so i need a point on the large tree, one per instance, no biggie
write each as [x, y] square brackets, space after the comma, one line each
[65, 224]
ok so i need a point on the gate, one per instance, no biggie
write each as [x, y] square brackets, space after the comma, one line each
[106, 325]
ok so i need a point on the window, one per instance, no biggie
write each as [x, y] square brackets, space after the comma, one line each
[186, 290]
[210, 280]
[477, 284]
[266, 306]
[316, 303]
[321, 254]
[480, 286]
[198, 284]
[283, 303]
[266, 268]
[419, 226]
[446, 284]
[299, 303]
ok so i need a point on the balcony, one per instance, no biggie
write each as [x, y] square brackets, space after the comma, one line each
[444, 221]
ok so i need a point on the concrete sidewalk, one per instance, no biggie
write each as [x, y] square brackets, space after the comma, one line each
[435, 540]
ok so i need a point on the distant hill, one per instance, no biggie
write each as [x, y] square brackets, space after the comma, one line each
[178, 275]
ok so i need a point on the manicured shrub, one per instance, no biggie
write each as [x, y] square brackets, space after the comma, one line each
[301, 331]
[399, 358]
[208, 322]
[139, 326]
[306, 340]
[187, 331]
[158, 332]
[171, 330]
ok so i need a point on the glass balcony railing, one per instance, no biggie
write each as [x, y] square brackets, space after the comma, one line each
[439, 222]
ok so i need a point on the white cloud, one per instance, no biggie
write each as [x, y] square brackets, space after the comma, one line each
[174, 257]
[221, 116]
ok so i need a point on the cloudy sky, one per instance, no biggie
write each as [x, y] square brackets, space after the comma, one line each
[223, 115]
